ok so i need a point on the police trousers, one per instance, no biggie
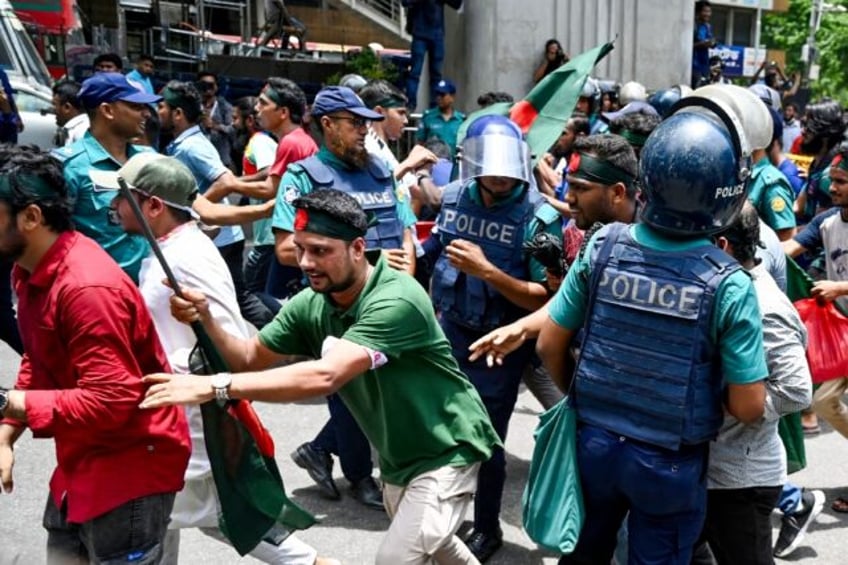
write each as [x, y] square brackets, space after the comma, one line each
[664, 491]
[498, 388]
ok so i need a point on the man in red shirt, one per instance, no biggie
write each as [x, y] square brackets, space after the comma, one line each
[88, 339]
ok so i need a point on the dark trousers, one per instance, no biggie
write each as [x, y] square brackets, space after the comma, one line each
[738, 525]
[435, 50]
[342, 436]
[8, 323]
[252, 308]
[256, 269]
[498, 388]
[131, 533]
[664, 492]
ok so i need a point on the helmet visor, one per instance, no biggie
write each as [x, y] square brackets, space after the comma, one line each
[494, 156]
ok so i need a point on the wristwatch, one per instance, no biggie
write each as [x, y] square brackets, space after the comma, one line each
[4, 400]
[221, 385]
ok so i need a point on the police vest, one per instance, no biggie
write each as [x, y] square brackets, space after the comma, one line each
[499, 231]
[648, 369]
[372, 187]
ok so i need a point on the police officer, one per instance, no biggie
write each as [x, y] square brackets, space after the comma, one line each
[589, 103]
[672, 337]
[482, 279]
[340, 121]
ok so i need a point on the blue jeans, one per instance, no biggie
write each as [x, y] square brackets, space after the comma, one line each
[664, 491]
[8, 323]
[131, 533]
[435, 49]
[256, 269]
[342, 436]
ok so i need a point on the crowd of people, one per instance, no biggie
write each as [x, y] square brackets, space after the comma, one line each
[655, 219]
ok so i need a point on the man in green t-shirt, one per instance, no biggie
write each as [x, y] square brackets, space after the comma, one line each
[374, 338]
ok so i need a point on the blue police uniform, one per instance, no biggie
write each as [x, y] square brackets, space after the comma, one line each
[667, 324]
[468, 307]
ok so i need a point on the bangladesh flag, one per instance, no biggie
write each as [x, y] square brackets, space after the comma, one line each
[542, 114]
[254, 505]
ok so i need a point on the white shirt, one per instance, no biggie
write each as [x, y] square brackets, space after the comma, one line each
[75, 128]
[377, 147]
[196, 264]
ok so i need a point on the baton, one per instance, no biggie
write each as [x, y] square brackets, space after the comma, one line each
[213, 356]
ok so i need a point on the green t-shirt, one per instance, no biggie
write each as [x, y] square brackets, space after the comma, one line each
[736, 324]
[418, 410]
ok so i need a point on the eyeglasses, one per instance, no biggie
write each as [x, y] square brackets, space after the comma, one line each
[356, 121]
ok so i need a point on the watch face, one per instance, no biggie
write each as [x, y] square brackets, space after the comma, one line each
[4, 400]
[221, 381]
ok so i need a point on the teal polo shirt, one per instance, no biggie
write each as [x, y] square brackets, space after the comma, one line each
[91, 205]
[433, 124]
[296, 182]
[772, 195]
[736, 325]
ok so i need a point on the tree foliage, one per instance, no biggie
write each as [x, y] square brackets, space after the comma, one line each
[789, 30]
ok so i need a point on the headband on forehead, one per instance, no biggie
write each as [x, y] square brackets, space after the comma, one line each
[633, 138]
[589, 168]
[839, 162]
[391, 102]
[35, 186]
[176, 100]
[274, 95]
[321, 223]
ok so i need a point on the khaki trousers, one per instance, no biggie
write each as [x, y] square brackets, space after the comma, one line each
[827, 402]
[425, 516]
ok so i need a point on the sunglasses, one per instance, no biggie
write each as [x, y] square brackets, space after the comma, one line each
[357, 121]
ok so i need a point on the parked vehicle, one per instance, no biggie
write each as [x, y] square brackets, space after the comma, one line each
[35, 106]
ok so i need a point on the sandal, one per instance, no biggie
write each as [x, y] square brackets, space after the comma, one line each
[811, 430]
[840, 505]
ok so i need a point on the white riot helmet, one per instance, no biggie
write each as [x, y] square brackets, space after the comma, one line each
[632, 92]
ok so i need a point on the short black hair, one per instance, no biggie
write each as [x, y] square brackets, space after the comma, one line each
[579, 123]
[145, 57]
[23, 161]
[438, 147]
[613, 149]
[109, 58]
[492, 97]
[640, 123]
[246, 106]
[744, 234]
[191, 96]
[339, 205]
[204, 74]
[377, 92]
[701, 4]
[67, 92]
[292, 95]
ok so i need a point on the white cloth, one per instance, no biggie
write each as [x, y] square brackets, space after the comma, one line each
[197, 264]
[379, 148]
[75, 128]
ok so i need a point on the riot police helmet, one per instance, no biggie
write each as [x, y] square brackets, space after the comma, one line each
[494, 147]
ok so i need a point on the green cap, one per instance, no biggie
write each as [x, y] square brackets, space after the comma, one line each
[155, 175]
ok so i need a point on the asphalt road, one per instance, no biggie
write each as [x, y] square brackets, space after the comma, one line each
[351, 532]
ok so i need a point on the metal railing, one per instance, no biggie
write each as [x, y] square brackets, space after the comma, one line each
[388, 13]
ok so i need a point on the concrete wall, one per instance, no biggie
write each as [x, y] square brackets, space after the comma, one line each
[497, 44]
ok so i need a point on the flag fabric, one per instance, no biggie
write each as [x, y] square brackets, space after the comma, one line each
[545, 110]
[542, 114]
[789, 428]
[241, 452]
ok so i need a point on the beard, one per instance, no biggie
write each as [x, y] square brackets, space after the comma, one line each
[354, 155]
[12, 245]
[813, 146]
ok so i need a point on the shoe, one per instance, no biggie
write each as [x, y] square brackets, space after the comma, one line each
[368, 492]
[483, 545]
[319, 465]
[794, 526]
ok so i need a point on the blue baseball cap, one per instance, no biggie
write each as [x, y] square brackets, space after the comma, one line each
[445, 86]
[112, 87]
[334, 98]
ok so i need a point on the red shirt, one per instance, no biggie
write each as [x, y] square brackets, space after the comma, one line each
[293, 147]
[89, 339]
